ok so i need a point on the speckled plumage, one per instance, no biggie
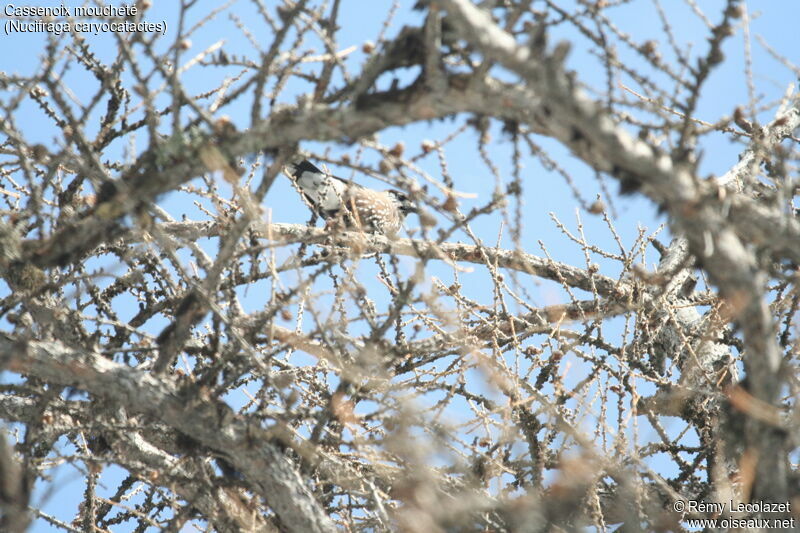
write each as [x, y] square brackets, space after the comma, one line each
[366, 209]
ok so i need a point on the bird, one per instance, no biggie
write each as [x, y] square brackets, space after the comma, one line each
[357, 206]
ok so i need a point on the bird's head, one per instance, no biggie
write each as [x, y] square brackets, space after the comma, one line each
[404, 203]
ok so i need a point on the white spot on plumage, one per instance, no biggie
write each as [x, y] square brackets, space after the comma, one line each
[366, 209]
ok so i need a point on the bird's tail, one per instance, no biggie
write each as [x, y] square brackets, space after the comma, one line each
[300, 164]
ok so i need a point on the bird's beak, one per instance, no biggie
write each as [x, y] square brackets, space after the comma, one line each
[410, 207]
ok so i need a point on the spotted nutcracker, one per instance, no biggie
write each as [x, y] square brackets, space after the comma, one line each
[357, 206]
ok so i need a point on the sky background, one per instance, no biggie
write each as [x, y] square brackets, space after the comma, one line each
[545, 192]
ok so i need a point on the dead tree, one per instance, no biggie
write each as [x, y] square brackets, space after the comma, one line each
[246, 373]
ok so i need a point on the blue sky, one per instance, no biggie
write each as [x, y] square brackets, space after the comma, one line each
[545, 192]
